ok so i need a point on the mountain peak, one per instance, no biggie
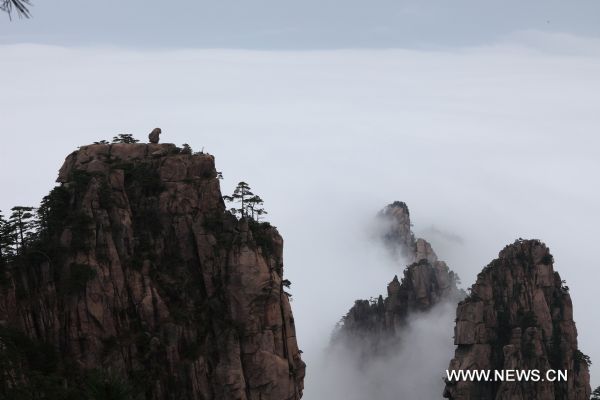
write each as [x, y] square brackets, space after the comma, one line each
[519, 316]
[140, 276]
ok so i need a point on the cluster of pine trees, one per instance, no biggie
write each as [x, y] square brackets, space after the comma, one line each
[248, 204]
[17, 231]
[28, 229]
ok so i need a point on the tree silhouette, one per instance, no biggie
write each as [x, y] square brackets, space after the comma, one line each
[52, 213]
[240, 195]
[186, 149]
[255, 207]
[250, 205]
[596, 394]
[124, 138]
[22, 225]
[5, 240]
[17, 231]
[19, 7]
[29, 230]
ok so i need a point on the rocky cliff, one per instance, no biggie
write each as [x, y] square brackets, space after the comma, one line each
[426, 282]
[519, 316]
[142, 283]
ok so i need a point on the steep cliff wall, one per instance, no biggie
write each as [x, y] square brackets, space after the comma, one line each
[519, 316]
[426, 282]
[142, 278]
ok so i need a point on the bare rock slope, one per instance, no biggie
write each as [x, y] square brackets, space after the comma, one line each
[519, 316]
[146, 279]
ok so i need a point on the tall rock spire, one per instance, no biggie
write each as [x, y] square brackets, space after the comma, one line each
[425, 282]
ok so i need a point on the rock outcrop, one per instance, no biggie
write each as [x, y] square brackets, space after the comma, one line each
[143, 278]
[519, 316]
[425, 283]
[154, 136]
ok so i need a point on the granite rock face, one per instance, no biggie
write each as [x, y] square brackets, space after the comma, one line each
[426, 281]
[519, 316]
[153, 280]
[398, 235]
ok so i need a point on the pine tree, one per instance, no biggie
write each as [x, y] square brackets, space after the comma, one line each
[250, 205]
[596, 394]
[255, 205]
[5, 243]
[124, 138]
[21, 225]
[254, 208]
[186, 149]
[241, 194]
[52, 213]
[260, 212]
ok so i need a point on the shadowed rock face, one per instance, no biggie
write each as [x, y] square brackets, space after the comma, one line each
[518, 316]
[153, 280]
[425, 283]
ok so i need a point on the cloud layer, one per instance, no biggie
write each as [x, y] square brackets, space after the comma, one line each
[414, 369]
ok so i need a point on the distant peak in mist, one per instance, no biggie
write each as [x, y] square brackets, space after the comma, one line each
[381, 333]
[426, 281]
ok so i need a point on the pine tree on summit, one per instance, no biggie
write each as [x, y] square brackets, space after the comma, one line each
[125, 138]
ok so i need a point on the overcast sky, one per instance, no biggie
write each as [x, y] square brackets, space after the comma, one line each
[306, 24]
[482, 116]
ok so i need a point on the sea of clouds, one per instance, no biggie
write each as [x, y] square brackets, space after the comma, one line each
[484, 144]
